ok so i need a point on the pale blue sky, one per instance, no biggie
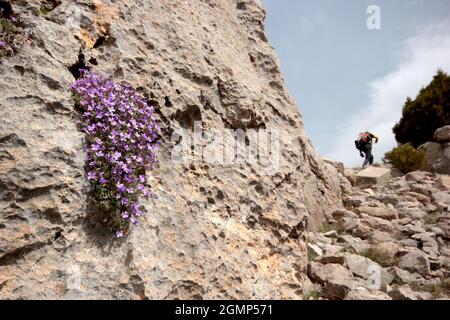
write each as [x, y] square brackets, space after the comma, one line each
[336, 68]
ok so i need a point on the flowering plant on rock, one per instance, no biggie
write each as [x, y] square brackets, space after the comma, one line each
[121, 134]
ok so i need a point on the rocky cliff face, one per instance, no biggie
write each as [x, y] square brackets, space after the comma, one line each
[233, 230]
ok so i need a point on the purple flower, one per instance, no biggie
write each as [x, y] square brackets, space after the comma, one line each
[121, 132]
[121, 187]
[116, 156]
[91, 175]
[119, 234]
[2, 44]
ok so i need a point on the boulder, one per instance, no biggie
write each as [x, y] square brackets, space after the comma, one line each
[355, 200]
[388, 198]
[338, 165]
[315, 249]
[373, 176]
[416, 176]
[362, 293]
[377, 223]
[384, 213]
[437, 157]
[353, 244]
[442, 134]
[364, 267]
[405, 277]
[332, 249]
[428, 243]
[415, 261]
[338, 289]
[332, 258]
[444, 182]
[420, 197]
[341, 213]
[389, 249]
[406, 293]
[323, 273]
[351, 176]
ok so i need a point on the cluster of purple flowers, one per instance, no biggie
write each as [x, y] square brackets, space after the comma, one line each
[122, 143]
[11, 35]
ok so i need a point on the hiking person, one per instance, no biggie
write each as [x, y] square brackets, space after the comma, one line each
[364, 145]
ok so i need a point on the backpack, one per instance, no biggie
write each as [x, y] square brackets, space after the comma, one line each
[363, 138]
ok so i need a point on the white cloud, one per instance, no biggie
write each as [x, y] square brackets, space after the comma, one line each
[418, 60]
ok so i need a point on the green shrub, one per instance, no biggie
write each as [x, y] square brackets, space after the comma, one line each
[312, 295]
[379, 256]
[44, 10]
[12, 36]
[429, 111]
[406, 158]
[7, 25]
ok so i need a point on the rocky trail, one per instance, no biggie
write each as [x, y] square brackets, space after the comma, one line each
[391, 241]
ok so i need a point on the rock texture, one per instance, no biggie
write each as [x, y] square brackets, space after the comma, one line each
[212, 231]
[391, 242]
[438, 152]
[372, 176]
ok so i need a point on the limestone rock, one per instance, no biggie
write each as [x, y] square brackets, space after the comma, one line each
[437, 157]
[384, 213]
[364, 267]
[210, 231]
[373, 176]
[404, 276]
[338, 288]
[362, 293]
[444, 182]
[415, 261]
[338, 165]
[406, 293]
[351, 176]
[315, 249]
[323, 273]
[442, 134]
[416, 176]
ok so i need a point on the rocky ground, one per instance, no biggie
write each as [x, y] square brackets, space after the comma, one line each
[389, 242]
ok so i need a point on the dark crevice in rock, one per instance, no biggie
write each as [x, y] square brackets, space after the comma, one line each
[27, 194]
[189, 116]
[10, 258]
[99, 42]
[76, 68]
[5, 9]
[167, 102]
[241, 6]
[56, 107]
[12, 140]
[57, 235]
[20, 69]
[93, 61]
[51, 83]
